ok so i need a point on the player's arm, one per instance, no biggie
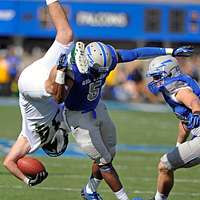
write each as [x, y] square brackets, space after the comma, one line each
[56, 89]
[20, 148]
[183, 133]
[190, 100]
[149, 52]
[60, 80]
[58, 84]
[64, 32]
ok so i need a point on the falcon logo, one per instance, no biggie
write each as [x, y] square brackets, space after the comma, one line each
[89, 57]
[163, 64]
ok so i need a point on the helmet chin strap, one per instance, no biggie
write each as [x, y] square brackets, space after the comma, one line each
[155, 87]
[95, 73]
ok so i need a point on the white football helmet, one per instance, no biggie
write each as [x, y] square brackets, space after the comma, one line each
[163, 66]
[98, 57]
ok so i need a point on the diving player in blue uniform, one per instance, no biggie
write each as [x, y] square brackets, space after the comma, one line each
[87, 115]
[182, 94]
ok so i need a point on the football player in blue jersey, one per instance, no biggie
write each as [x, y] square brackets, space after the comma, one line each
[87, 115]
[182, 94]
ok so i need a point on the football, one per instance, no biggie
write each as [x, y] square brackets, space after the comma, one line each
[30, 166]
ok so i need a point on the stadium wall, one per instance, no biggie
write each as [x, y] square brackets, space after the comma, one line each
[115, 21]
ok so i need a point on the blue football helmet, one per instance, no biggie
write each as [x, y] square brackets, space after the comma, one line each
[98, 57]
[162, 69]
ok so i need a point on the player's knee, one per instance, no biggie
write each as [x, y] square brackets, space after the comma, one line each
[105, 160]
[106, 167]
[161, 167]
[164, 165]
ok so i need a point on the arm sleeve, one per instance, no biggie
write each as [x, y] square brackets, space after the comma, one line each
[114, 55]
[139, 53]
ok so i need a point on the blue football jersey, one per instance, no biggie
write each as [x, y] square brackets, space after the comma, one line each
[86, 90]
[182, 112]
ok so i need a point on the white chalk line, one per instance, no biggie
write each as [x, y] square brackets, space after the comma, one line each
[67, 189]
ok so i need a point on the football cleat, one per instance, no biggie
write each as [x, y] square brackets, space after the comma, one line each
[88, 196]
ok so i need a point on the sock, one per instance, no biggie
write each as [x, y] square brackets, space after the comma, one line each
[121, 195]
[160, 196]
[92, 185]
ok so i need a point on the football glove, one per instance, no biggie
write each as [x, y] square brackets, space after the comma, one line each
[184, 51]
[193, 121]
[38, 178]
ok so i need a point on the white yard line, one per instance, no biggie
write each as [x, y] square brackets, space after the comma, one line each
[178, 180]
[18, 187]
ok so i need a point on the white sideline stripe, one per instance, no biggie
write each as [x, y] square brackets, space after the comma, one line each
[17, 187]
[132, 178]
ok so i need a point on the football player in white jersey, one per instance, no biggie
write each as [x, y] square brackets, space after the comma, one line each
[40, 86]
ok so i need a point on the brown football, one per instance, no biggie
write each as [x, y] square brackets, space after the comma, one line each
[30, 166]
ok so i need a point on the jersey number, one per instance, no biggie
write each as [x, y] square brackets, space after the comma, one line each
[94, 89]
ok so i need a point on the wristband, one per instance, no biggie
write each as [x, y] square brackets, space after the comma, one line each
[60, 77]
[169, 51]
[26, 180]
[50, 1]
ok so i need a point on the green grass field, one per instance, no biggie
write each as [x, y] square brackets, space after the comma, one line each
[137, 170]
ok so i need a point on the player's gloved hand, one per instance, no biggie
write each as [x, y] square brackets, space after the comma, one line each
[193, 121]
[184, 51]
[38, 178]
[62, 62]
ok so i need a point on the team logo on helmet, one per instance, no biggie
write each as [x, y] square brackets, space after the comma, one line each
[98, 57]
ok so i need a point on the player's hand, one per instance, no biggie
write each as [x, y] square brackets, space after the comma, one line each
[38, 178]
[184, 51]
[62, 62]
[193, 121]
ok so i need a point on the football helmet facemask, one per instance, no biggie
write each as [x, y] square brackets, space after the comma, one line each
[161, 69]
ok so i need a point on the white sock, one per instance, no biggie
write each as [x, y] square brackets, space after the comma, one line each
[160, 196]
[92, 185]
[121, 195]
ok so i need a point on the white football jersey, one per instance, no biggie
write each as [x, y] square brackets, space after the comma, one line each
[41, 115]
